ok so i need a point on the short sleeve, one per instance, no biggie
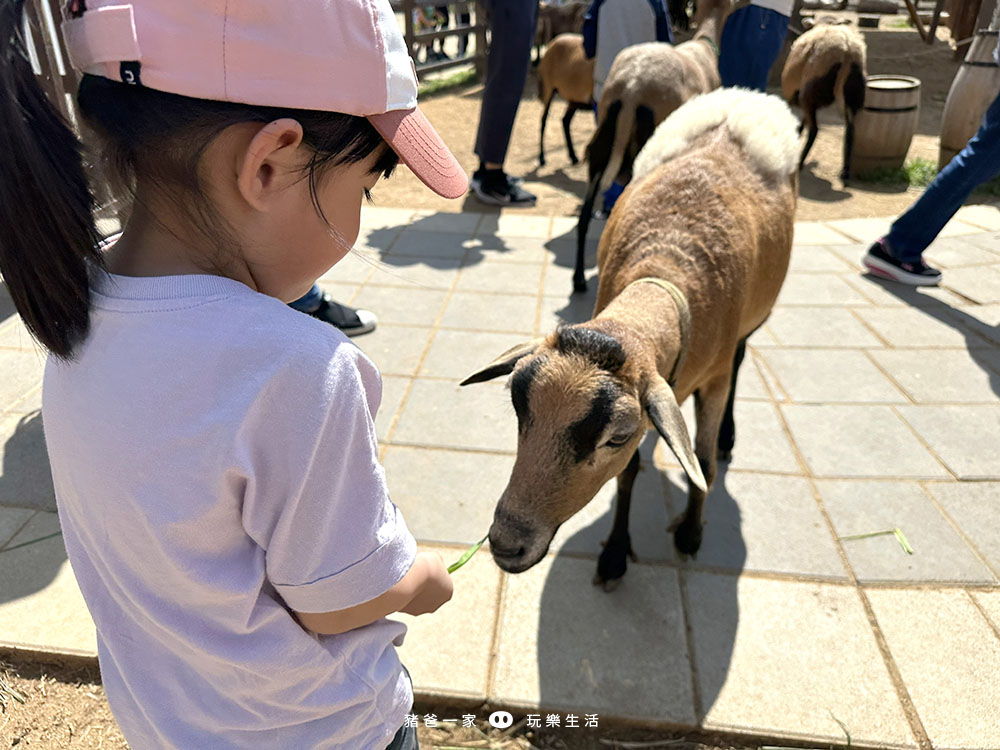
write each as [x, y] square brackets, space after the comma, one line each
[316, 499]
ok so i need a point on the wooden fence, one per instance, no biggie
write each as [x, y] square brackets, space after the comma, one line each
[475, 28]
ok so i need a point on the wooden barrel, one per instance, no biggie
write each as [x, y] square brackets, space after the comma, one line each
[886, 124]
[976, 84]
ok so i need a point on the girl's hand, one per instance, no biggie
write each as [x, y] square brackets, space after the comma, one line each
[436, 588]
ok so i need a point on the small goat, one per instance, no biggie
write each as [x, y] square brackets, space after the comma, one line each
[691, 262]
[827, 64]
[565, 70]
[646, 83]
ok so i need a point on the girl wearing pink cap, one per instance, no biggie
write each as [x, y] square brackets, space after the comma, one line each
[213, 451]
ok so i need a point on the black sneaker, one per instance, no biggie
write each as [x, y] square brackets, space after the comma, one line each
[351, 322]
[881, 263]
[495, 188]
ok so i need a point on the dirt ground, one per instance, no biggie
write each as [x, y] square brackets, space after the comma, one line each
[560, 185]
[63, 707]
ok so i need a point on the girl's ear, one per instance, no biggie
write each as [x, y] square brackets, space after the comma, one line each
[270, 154]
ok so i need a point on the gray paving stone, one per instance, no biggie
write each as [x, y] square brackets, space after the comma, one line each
[25, 476]
[22, 373]
[355, 267]
[939, 554]
[510, 250]
[393, 390]
[945, 376]
[973, 506]
[405, 305]
[14, 335]
[566, 644]
[511, 313]
[559, 310]
[515, 225]
[958, 252]
[11, 520]
[782, 658]
[819, 327]
[446, 496]
[830, 375]
[762, 522]
[850, 254]
[444, 221]
[438, 661]
[761, 441]
[858, 441]
[41, 606]
[749, 383]
[378, 217]
[818, 289]
[964, 437]
[31, 403]
[981, 284]
[814, 258]
[883, 293]
[488, 276]
[428, 245]
[416, 273]
[983, 319]
[559, 280]
[458, 354]
[953, 683]
[396, 350]
[446, 415]
[908, 327]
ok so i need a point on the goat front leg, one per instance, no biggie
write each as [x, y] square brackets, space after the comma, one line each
[727, 432]
[541, 137]
[710, 406]
[845, 173]
[579, 277]
[613, 562]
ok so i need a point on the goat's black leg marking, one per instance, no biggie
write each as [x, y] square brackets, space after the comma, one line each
[845, 173]
[567, 119]
[727, 432]
[541, 137]
[710, 405]
[612, 563]
[813, 131]
[579, 279]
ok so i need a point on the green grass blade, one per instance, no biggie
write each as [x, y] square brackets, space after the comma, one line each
[902, 541]
[468, 555]
[867, 536]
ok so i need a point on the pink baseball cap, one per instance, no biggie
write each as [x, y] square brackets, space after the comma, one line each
[330, 55]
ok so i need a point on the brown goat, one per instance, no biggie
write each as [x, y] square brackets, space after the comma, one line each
[691, 262]
[554, 20]
[645, 84]
[827, 64]
[565, 70]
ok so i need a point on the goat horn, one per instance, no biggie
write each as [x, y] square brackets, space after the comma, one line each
[661, 405]
[504, 364]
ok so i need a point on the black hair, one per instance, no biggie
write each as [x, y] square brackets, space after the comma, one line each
[48, 236]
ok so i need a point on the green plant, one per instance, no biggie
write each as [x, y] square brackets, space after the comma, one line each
[439, 85]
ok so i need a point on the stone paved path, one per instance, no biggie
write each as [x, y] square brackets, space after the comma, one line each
[862, 407]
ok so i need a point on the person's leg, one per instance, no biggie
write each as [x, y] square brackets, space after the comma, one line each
[978, 162]
[309, 301]
[513, 26]
[737, 45]
[769, 41]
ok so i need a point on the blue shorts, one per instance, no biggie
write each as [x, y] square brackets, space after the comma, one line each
[751, 41]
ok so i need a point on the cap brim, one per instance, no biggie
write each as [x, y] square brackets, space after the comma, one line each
[412, 136]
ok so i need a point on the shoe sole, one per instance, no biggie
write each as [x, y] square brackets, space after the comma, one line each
[888, 271]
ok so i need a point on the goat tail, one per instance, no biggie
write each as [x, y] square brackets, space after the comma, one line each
[849, 88]
[622, 138]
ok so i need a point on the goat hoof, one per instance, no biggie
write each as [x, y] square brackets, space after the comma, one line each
[725, 454]
[579, 286]
[541, 161]
[613, 562]
[608, 586]
[573, 160]
[687, 538]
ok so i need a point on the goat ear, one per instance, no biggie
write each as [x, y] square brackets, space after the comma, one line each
[661, 405]
[504, 364]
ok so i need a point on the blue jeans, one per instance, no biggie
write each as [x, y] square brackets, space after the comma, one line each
[308, 302]
[978, 162]
[751, 41]
[406, 737]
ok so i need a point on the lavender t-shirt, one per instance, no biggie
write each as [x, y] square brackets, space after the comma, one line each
[215, 465]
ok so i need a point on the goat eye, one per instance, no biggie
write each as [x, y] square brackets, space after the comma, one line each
[617, 441]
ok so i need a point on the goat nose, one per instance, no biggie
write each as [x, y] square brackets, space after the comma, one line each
[500, 551]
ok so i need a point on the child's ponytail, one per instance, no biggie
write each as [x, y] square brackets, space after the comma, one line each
[47, 227]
